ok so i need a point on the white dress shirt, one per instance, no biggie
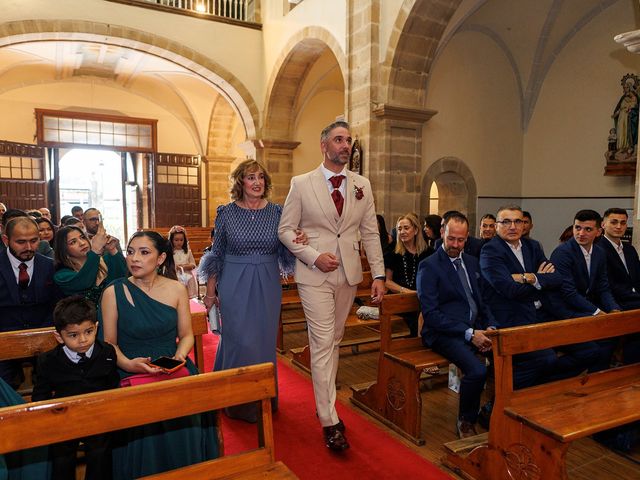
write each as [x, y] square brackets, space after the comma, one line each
[15, 265]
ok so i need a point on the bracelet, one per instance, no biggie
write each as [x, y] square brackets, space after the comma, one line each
[524, 278]
[401, 289]
[207, 296]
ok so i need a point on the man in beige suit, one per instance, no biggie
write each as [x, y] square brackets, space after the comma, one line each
[334, 207]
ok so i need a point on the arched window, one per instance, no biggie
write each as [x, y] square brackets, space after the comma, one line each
[433, 199]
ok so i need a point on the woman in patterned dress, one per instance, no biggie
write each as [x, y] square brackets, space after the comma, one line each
[243, 271]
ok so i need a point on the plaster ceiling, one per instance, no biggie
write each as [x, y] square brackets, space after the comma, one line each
[187, 96]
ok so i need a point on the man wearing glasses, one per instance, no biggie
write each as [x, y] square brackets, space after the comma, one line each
[585, 287]
[518, 275]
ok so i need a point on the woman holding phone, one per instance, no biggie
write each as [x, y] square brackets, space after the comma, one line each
[142, 316]
[85, 267]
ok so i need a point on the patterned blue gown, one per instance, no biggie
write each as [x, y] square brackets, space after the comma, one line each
[247, 258]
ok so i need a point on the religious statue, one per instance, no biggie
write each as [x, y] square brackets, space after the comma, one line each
[623, 137]
[355, 162]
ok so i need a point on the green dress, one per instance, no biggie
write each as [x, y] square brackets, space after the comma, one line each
[26, 464]
[83, 282]
[149, 328]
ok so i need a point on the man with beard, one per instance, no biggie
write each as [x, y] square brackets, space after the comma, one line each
[455, 316]
[335, 208]
[91, 220]
[27, 291]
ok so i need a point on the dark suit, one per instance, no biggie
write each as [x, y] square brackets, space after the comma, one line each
[22, 309]
[447, 316]
[584, 291]
[625, 286]
[514, 304]
[57, 377]
[472, 246]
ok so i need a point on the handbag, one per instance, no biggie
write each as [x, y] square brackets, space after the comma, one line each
[142, 378]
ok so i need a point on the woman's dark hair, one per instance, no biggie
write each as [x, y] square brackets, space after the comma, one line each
[162, 245]
[173, 233]
[382, 230]
[61, 251]
[53, 228]
[434, 222]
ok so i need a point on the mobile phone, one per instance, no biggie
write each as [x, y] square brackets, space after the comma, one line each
[167, 364]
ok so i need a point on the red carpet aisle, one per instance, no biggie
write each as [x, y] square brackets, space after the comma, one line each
[298, 440]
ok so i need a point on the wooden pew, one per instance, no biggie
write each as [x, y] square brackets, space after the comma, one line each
[31, 343]
[75, 417]
[532, 428]
[394, 398]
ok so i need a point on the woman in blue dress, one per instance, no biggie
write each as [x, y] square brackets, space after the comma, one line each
[243, 272]
[141, 317]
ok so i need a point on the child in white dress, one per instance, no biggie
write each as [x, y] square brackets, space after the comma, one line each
[183, 258]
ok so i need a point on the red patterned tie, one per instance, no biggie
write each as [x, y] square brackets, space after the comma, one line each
[23, 276]
[338, 199]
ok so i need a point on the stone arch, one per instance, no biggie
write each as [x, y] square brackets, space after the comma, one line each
[64, 30]
[412, 48]
[456, 186]
[289, 71]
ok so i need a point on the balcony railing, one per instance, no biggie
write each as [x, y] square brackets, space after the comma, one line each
[245, 11]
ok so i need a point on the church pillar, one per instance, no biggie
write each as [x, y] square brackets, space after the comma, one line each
[631, 40]
[217, 174]
[277, 156]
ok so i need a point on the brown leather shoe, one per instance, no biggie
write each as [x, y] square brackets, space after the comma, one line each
[466, 429]
[334, 439]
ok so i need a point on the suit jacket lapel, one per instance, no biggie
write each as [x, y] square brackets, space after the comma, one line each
[452, 273]
[321, 191]
[349, 198]
[9, 278]
[515, 263]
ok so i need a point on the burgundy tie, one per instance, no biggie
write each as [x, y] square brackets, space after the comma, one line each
[338, 199]
[23, 276]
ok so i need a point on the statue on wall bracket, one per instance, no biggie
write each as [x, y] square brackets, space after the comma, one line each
[357, 157]
[622, 140]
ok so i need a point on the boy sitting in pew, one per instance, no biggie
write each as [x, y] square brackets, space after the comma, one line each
[80, 364]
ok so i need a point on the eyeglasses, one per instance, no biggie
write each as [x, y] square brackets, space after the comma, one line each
[507, 222]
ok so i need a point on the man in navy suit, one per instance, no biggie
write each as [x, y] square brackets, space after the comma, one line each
[519, 278]
[27, 292]
[585, 287]
[455, 317]
[623, 272]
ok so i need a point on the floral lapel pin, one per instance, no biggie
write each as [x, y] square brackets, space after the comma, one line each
[359, 192]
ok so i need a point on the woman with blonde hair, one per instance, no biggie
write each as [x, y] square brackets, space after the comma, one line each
[242, 272]
[402, 264]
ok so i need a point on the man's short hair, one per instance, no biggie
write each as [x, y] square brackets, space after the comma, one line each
[511, 206]
[73, 311]
[615, 211]
[90, 209]
[71, 221]
[454, 216]
[12, 213]
[490, 216]
[526, 214]
[15, 221]
[587, 216]
[324, 135]
[75, 209]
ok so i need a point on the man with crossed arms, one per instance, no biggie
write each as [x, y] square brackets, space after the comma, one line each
[335, 208]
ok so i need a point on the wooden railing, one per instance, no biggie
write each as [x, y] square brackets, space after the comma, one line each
[243, 11]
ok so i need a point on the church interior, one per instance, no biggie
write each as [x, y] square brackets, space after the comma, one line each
[148, 105]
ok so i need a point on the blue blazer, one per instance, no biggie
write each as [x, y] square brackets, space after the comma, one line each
[444, 304]
[581, 294]
[511, 302]
[621, 282]
[33, 307]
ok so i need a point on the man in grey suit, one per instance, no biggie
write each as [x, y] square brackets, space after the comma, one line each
[335, 208]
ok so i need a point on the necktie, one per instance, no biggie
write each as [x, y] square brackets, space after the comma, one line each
[83, 357]
[23, 276]
[338, 199]
[467, 289]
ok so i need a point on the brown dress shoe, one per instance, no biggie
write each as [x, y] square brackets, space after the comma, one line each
[466, 429]
[334, 439]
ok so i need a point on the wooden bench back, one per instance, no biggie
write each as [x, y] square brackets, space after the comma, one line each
[82, 415]
[394, 305]
[30, 343]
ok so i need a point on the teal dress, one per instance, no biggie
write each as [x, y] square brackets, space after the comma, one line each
[83, 282]
[149, 328]
[26, 464]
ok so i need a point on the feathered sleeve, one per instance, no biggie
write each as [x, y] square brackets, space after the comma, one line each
[212, 262]
[286, 259]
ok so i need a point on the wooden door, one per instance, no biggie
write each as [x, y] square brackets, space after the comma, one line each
[176, 187]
